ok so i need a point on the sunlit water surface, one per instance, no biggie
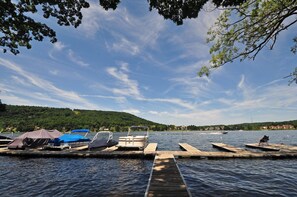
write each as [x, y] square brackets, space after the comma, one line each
[129, 177]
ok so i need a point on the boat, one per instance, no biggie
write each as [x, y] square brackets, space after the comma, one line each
[102, 139]
[69, 140]
[34, 139]
[134, 142]
[224, 132]
[4, 140]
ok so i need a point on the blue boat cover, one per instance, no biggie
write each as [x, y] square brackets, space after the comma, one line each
[68, 138]
[80, 130]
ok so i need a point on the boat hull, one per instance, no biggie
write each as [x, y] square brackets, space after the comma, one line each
[136, 142]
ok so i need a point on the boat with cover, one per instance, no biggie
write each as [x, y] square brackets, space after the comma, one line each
[134, 142]
[102, 139]
[69, 140]
[34, 139]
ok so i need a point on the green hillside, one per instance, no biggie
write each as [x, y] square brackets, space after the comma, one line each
[27, 118]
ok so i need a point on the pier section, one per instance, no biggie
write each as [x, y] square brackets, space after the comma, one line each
[228, 148]
[271, 151]
[188, 148]
[166, 179]
[151, 148]
[263, 147]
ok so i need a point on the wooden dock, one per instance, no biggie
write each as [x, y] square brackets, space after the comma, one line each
[228, 148]
[273, 147]
[151, 148]
[166, 179]
[188, 148]
[272, 151]
[269, 147]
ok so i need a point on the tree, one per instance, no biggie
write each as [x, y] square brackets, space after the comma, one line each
[18, 26]
[241, 32]
[2, 106]
[176, 10]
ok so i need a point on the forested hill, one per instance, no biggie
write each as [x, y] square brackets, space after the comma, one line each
[28, 118]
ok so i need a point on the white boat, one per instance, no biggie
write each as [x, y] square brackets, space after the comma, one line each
[4, 140]
[134, 142]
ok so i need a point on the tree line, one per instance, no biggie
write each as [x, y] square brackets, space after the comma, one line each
[15, 118]
[27, 118]
[244, 126]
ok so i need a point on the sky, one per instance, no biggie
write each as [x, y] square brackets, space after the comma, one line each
[132, 60]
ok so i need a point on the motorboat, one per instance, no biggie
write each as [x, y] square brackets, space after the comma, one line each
[69, 140]
[224, 132]
[4, 140]
[134, 142]
[102, 139]
[34, 139]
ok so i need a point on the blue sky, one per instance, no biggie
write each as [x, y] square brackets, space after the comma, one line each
[134, 61]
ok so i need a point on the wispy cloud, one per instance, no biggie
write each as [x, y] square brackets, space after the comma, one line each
[130, 34]
[61, 48]
[132, 111]
[125, 46]
[92, 19]
[29, 79]
[129, 87]
[57, 47]
[76, 59]
[194, 86]
[119, 99]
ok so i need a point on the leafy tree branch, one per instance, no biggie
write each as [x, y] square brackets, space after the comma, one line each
[18, 28]
[241, 32]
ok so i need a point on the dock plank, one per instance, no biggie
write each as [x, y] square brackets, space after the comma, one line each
[188, 147]
[151, 148]
[165, 178]
[228, 148]
[268, 147]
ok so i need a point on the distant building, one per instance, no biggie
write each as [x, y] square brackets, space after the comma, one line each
[277, 127]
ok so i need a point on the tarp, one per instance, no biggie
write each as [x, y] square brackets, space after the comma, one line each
[34, 138]
[70, 138]
[80, 130]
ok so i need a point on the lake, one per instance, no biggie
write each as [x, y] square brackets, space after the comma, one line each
[129, 177]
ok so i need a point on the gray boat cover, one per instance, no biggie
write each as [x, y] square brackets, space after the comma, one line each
[34, 138]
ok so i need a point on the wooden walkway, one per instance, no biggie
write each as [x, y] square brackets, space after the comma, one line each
[151, 148]
[263, 147]
[272, 151]
[166, 179]
[188, 148]
[228, 148]
[273, 147]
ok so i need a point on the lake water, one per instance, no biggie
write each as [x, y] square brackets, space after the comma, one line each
[129, 177]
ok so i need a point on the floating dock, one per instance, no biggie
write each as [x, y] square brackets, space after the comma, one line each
[150, 149]
[166, 179]
[228, 148]
[188, 148]
[273, 147]
[271, 151]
